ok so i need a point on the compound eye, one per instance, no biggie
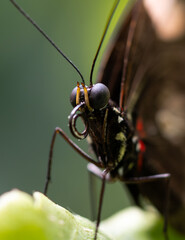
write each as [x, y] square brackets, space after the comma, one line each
[73, 97]
[99, 96]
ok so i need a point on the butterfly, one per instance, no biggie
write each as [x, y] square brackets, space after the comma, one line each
[125, 115]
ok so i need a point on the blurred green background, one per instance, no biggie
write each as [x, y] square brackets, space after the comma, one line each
[34, 98]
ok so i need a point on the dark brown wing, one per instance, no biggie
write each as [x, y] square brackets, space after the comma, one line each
[155, 89]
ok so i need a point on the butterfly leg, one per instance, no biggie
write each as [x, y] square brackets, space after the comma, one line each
[73, 145]
[152, 178]
[94, 171]
[104, 176]
[92, 194]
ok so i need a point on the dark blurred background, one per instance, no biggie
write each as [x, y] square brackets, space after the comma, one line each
[34, 98]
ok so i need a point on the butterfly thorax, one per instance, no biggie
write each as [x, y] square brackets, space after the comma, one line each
[110, 135]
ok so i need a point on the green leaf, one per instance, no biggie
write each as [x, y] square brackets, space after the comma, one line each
[25, 217]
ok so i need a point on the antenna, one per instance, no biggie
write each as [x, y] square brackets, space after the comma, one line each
[46, 36]
[102, 38]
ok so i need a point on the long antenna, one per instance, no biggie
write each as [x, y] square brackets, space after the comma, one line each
[103, 37]
[46, 36]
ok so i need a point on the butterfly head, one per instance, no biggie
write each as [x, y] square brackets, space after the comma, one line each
[93, 97]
